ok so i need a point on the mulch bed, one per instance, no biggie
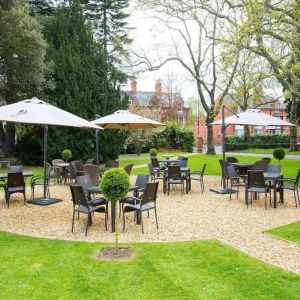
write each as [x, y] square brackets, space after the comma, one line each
[112, 253]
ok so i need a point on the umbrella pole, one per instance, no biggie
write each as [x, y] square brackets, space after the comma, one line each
[97, 146]
[45, 158]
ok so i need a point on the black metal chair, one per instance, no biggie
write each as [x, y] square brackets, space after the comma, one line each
[146, 202]
[235, 180]
[292, 186]
[198, 176]
[140, 185]
[232, 159]
[128, 169]
[82, 205]
[155, 174]
[260, 165]
[15, 184]
[174, 176]
[39, 180]
[256, 184]
[156, 165]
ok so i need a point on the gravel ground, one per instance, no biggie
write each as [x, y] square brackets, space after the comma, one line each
[181, 218]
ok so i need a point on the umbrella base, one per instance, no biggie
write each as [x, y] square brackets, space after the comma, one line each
[44, 201]
[223, 191]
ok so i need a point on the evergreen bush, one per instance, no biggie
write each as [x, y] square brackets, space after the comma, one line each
[153, 152]
[279, 153]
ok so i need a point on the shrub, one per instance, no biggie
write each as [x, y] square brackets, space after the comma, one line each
[279, 153]
[153, 152]
[115, 184]
[66, 154]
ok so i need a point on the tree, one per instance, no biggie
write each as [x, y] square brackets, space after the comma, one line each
[271, 30]
[82, 83]
[194, 36]
[140, 137]
[22, 67]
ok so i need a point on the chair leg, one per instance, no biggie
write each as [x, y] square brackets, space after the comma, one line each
[156, 217]
[142, 222]
[87, 224]
[295, 197]
[32, 192]
[24, 197]
[230, 191]
[73, 219]
[123, 221]
[298, 196]
[265, 201]
[105, 221]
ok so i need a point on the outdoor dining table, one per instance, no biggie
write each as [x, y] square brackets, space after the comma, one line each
[184, 170]
[242, 166]
[25, 174]
[169, 162]
[167, 156]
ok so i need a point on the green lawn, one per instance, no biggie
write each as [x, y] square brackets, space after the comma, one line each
[289, 232]
[266, 151]
[34, 268]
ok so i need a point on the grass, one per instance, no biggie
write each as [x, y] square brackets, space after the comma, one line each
[33, 268]
[289, 232]
[267, 151]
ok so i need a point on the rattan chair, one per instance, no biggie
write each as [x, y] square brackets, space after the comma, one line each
[235, 180]
[128, 169]
[155, 174]
[260, 165]
[94, 172]
[232, 159]
[292, 186]
[225, 171]
[112, 164]
[256, 184]
[82, 205]
[156, 165]
[15, 184]
[146, 202]
[198, 176]
[182, 161]
[15, 169]
[58, 170]
[174, 176]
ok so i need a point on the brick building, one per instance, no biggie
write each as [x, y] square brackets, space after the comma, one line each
[170, 105]
[276, 109]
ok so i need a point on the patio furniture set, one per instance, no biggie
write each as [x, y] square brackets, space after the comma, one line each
[257, 178]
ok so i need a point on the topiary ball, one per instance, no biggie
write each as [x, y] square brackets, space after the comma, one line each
[66, 154]
[153, 152]
[279, 153]
[115, 184]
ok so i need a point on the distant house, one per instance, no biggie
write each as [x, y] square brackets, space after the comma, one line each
[276, 109]
[171, 106]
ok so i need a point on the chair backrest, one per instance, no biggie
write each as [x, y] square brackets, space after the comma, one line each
[183, 162]
[174, 172]
[94, 172]
[274, 169]
[150, 168]
[72, 170]
[150, 192]
[128, 169]
[232, 159]
[78, 165]
[155, 163]
[256, 178]
[16, 169]
[15, 179]
[232, 172]
[141, 180]
[267, 159]
[180, 157]
[224, 171]
[261, 165]
[48, 169]
[112, 164]
[85, 181]
[78, 195]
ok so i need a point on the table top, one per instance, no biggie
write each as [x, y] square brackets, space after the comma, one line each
[167, 156]
[242, 164]
[270, 176]
[169, 161]
[62, 165]
[25, 174]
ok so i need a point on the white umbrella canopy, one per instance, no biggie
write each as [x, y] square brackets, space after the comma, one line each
[123, 119]
[253, 117]
[35, 111]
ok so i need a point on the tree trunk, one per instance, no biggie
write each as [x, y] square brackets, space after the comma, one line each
[247, 135]
[210, 138]
[293, 119]
[113, 216]
[9, 138]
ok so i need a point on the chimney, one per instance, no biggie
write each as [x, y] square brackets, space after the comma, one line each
[158, 88]
[133, 86]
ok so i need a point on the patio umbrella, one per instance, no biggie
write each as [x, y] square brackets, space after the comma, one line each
[124, 119]
[250, 117]
[35, 111]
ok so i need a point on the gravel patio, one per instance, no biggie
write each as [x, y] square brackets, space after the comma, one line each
[181, 218]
